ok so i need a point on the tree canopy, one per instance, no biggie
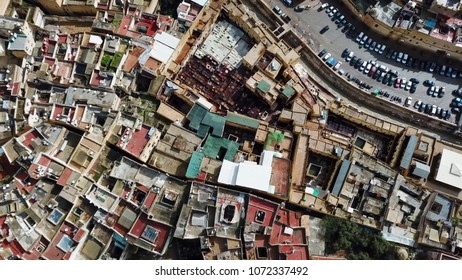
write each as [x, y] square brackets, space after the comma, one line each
[358, 243]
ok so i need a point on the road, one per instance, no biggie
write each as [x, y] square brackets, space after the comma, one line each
[310, 22]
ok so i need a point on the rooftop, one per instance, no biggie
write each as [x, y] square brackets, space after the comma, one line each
[450, 169]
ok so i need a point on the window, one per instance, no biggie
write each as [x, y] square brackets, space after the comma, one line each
[260, 216]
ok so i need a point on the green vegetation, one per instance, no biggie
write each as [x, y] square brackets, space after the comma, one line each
[116, 22]
[116, 60]
[106, 60]
[358, 243]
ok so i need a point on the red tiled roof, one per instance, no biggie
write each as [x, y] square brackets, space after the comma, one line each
[30, 137]
[149, 200]
[293, 252]
[65, 176]
[138, 141]
[258, 204]
[78, 236]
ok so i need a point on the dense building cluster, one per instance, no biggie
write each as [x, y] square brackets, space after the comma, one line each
[129, 134]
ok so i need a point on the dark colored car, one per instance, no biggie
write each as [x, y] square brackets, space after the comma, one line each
[428, 83]
[358, 63]
[413, 88]
[324, 29]
[414, 80]
[345, 53]
[321, 53]
[353, 60]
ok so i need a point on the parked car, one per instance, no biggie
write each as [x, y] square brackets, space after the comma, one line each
[353, 60]
[413, 88]
[391, 81]
[414, 80]
[408, 102]
[349, 56]
[364, 40]
[368, 43]
[428, 83]
[327, 56]
[458, 92]
[398, 83]
[345, 53]
[332, 13]
[360, 37]
[403, 83]
[337, 66]
[432, 67]
[321, 53]
[382, 49]
[277, 10]
[441, 92]
[372, 71]
[408, 85]
[322, 7]
[361, 68]
[324, 29]
[417, 104]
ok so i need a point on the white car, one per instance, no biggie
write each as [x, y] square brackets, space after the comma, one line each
[408, 85]
[337, 66]
[326, 56]
[368, 68]
[403, 83]
[332, 13]
[349, 56]
[323, 6]
[408, 102]
[361, 68]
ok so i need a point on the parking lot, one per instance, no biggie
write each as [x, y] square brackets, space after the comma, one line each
[311, 22]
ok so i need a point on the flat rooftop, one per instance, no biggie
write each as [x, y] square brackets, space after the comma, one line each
[450, 169]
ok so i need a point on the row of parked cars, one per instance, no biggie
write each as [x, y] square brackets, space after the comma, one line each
[423, 65]
[329, 59]
[432, 110]
[380, 72]
[279, 12]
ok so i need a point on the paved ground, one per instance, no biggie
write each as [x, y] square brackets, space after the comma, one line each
[311, 22]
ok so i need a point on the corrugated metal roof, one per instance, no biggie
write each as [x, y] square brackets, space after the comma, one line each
[195, 116]
[216, 122]
[341, 177]
[242, 120]
[194, 165]
[410, 148]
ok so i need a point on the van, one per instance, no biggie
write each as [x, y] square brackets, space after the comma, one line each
[400, 57]
[360, 36]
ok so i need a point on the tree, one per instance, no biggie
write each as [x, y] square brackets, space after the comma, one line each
[359, 243]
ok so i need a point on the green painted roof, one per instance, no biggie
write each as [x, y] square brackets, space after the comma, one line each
[194, 166]
[264, 86]
[288, 91]
[242, 120]
[203, 130]
[216, 122]
[273, 137]
[213, 144]
[196, 115]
